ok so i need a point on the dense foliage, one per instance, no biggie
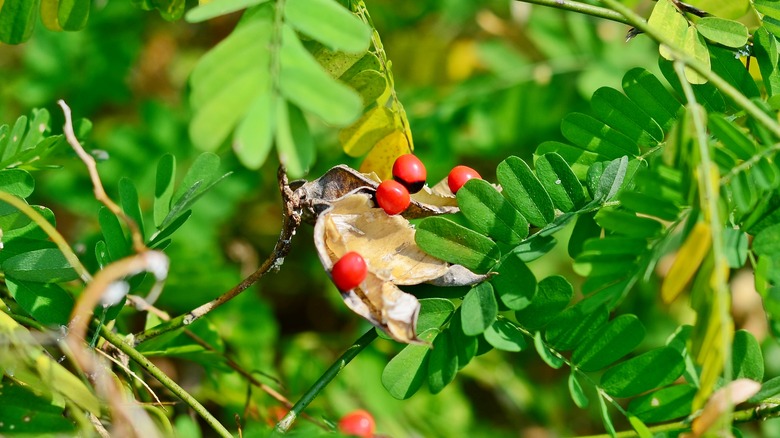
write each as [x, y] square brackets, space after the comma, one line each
[161, 277]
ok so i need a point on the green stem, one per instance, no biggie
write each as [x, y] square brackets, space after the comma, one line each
[758, 413]
[679, 54]
[285, 423]
[166, 381]
[582, 8]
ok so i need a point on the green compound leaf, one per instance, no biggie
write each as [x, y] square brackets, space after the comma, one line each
[695, 46]
[560, 182]
[594, 135]
[17, 20]
[644, 89]
[17, 182]
[613, 341]
[608, 256]
[207, 11]
[746, 358]
[131, 206]
[252, 141]
[163, 188]
[525, 192]
[406, 372]
[734, 139]
[46, 265]
[504, 335]
[465, 346]
[48, 303]
[479, 309]
[552, 296]
[117, 244]
[576, 392]
[293, 140]
[647, 371]
[605, 418]
[664, 404]
[331, 24]
[735, 244]
[765, 51]
[73, 14]
[442, 362]
[490, 213]
[669, 21]
[585, 228]
[579, 159]
[767, 242]
[306, 84]
[228, 79]
[729, 33]
[771, 11]
[628, 223]
[434, 312]
[547, 355]
[25, 413]
[769, 389]
[514, 283]
[457, 244]
[651, 204]
[575, 324]
[621, 113]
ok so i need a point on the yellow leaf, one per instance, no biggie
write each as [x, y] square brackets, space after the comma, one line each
[668, 20]
[721, 402]
[361, 136]
[380, 159]
[695, 46]
[50, 14]
[689, 258]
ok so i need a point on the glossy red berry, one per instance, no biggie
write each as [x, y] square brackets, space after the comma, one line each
[409, 171]
[358, 423]
[459, 175]
[392, 196]
[349, 271]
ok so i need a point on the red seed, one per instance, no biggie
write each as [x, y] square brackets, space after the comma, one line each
[358, 423]
[459, 175]
[392, 197]
[409, 171]
[349, 271]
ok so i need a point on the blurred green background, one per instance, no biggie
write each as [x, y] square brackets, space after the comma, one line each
[479, 80]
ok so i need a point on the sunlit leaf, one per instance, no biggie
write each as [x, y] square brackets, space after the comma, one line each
[73, 14]
[17, 20]
[628, 223]
[457, 244]
[647, 371]
[294, 143]
[504, 335]
[442, 362]
[729, 33]
[406, 372]
[382, 156]
[613, 341]
[651, 95]
[594, 135]
[525, 192]
[545, 353]
[689, 257]
[490, 213]
[552, 296]
[371, 127]
[47, 303]
[571, 327]
[479, 309]
[212, 9]
[560, 182]
[576, 392]
[669, 21]
[306, 84]
[332, 25]
[746, 358]
[623, 114]
[515, 284]
[664, 404]
[765, 51]
[46, 265]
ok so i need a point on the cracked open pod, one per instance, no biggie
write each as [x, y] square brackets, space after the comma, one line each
[386, 243]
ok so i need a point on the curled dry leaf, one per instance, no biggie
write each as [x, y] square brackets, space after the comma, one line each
[353, 223]
[734, 393]
[317, 195]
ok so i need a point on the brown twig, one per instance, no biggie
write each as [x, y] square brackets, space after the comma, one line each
[100, 193]
[292, 220]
